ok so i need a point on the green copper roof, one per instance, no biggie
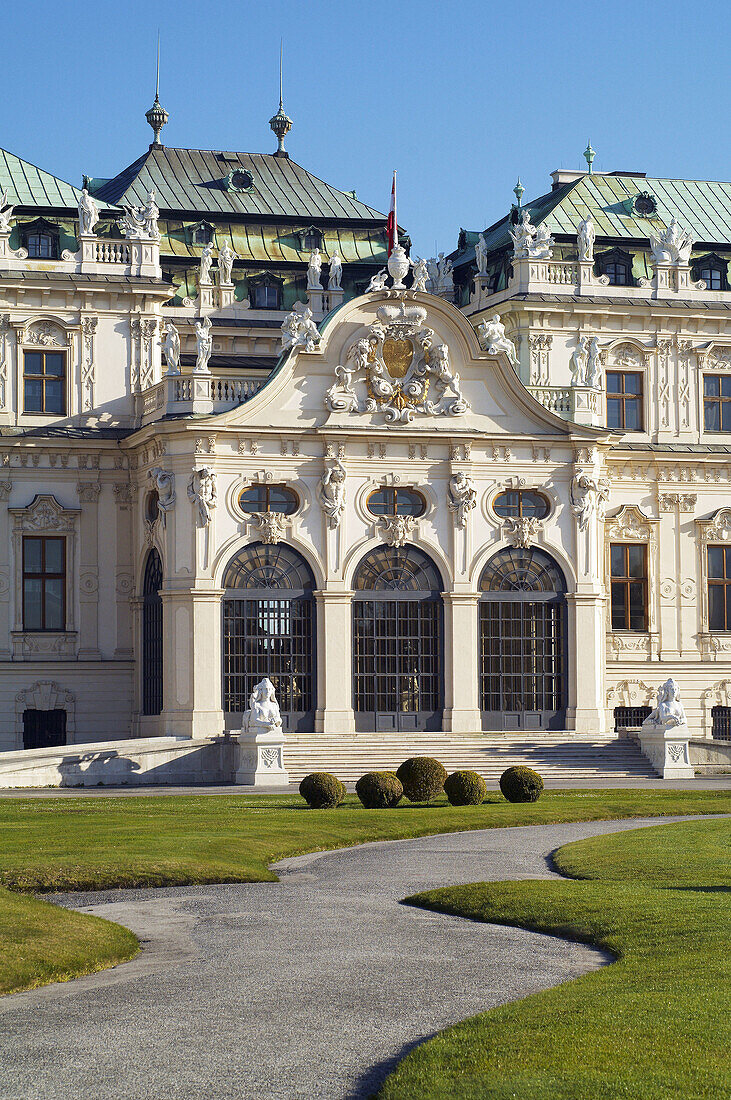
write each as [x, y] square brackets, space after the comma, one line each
[30, 186]
[702, 208]
[193, 181]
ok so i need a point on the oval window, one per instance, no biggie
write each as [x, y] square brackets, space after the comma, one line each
[520, 502]
[151, 509]
[269, 498]
[396, 502]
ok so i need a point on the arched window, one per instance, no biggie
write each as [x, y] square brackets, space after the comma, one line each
[712, 269]
[396, 502]
[522, 641]
[269, 498]
[269, 630]
[516, 503]
[40, 238]
[265, 292]
[617, 266]
[152, 638]
[397, 641]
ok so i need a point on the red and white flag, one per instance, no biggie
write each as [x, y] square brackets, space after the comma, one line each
[392, 224]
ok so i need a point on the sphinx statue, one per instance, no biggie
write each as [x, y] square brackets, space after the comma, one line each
[263, 714]
[669, 711]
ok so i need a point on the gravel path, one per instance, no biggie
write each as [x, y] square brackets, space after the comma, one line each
[312, 987]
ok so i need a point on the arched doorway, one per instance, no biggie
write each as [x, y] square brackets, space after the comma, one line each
[522, 643]
[397, 641]
[269, 630]
[152, 635]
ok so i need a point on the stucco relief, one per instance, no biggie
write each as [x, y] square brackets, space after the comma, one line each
[400, 368]
[629, 523]
[630, 693]
[717, 528]
[45, 695]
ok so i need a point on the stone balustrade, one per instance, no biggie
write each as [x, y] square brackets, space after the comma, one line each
[183, 394]
[581, 404]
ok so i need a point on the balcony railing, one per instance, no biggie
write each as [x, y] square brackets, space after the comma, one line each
[578, 403]
[195, 393]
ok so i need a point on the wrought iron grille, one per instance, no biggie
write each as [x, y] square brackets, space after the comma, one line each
[630, 717]
[271, 637]
[43, 728]
[721, 728]
[396, 655]
[522, 656]
[152, 642]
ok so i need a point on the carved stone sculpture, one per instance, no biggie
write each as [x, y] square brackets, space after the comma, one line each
[299, 329]
[140, 223]
[336, 272]
[6, 212]
[445, 275]
[331, 492]
[171, 347]
[204, 272]
[420, 275]
[585, 239]
[263, 715]
[203, 345]
[674, 246]
[88, 214]
[398, 266]
[314, 270]
[202, 492]
[492, 334]
[378, 281]
[462, 497]
[522, 531]
[579, 362]
[164, 482]
[594, 365]
[396, 529]
[272, 526]
[530, 242]
[669, 711]
[226, 257]
[542, 246]
[587, 495]
[481, 255]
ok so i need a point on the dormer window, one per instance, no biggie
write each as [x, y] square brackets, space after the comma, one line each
[713, 271]
[41, 240]
[617, 266]
[265, 292]
[203, 234]
[310, 238]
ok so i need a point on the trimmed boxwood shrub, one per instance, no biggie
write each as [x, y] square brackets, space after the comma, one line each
[379, 790]
[322, 790]
[422, 777]
[465, 788]
[521, 784]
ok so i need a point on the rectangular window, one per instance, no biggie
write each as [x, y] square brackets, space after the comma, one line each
[624, 400]
[266, 296]
[629, 586]
[44, 382]
[719, 587]
[717, 402]
[44, 583]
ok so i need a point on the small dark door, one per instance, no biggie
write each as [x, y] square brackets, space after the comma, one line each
[43, 728]
[397, 642]
[522, 643]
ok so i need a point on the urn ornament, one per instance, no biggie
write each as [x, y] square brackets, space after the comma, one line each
[398, 266]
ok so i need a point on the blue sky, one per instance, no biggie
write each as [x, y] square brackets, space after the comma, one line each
[459, 97]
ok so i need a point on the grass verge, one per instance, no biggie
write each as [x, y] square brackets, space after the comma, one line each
[654, 1025]
[169, 840]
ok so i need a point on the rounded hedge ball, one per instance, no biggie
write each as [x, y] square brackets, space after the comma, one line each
[422, 777]
[465, 788]
[521, 784]
[379, 790]
[321, 790]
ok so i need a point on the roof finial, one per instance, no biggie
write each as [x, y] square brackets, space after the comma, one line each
[589, 155]
[519, 191]
[281, 124]
[157, 116]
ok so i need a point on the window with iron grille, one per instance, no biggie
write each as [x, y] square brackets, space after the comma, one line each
[717, 403]
[719, 587]
[721, 718]
[624, 400]
[152, 636]
[629, 586]
[44, 583]
[630, 717]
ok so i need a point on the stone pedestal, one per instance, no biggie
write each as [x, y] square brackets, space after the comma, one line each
[261, 759]
[206, 297]
[225, 295]
[481, 291]
[667, 749]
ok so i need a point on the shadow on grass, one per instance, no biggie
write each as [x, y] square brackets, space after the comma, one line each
[369, 1083]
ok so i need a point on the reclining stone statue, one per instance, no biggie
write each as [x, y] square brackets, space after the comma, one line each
[669, 711]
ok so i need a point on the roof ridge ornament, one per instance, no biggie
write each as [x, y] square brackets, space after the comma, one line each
[281, 123]
[589, 155]
[157, 116]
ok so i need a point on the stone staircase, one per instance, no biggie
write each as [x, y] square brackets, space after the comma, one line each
[558, 756]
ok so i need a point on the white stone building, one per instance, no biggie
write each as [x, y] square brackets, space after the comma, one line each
[417, 522]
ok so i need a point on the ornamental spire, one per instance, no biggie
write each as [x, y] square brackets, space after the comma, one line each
[281, 123]
[157, 116]
[589, 155]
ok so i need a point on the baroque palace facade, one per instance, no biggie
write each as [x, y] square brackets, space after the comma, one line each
[489, 492]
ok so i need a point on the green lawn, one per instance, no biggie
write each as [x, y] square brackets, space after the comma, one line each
[98, 843]
[654, 1025]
